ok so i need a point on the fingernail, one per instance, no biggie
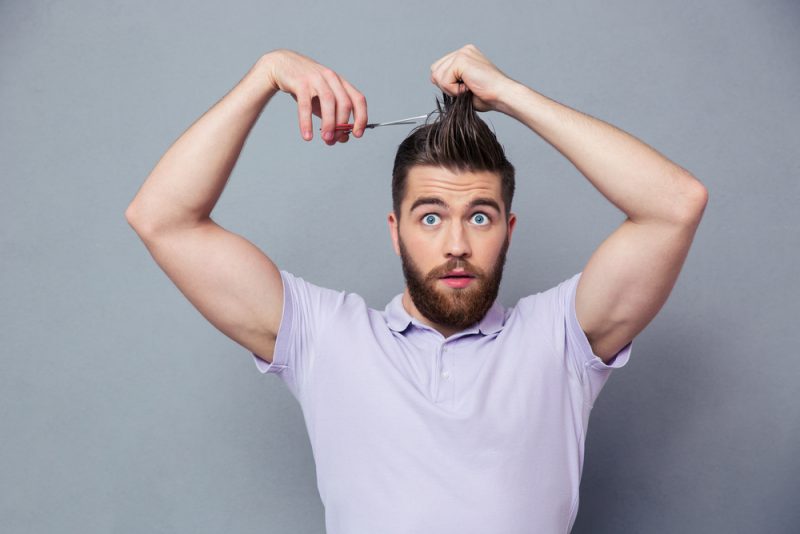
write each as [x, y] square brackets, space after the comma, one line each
[327, 136]
[306, 135]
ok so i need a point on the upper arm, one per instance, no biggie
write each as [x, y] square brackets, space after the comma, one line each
[230, 281]
[628, 279]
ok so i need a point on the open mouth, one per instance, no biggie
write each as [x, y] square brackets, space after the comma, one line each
[460, 273]
[457, 281]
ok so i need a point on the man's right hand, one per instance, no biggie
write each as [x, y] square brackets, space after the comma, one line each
[318, 90]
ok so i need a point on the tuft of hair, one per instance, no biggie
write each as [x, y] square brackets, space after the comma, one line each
[457, 140]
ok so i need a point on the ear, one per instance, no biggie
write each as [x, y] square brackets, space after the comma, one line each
[512, 222]
[393, 231]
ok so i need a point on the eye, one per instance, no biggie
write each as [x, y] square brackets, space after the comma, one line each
[429, 219]
[481, 219]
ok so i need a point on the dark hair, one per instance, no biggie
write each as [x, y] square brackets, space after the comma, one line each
[457, 140]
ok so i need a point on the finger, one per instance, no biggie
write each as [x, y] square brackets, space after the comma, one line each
[472, 50]
[447, 76]
[327, 104]
[440, 74]
[360, 108]
[441, 60]
[343, 104]
[304, 113]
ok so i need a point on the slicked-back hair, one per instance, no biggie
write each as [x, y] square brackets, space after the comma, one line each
[457, 140]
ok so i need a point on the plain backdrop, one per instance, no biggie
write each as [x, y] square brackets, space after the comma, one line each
[122, 410]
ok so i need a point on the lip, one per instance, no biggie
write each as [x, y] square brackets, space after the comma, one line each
[461, 272]
[463, 281]
[462, 278]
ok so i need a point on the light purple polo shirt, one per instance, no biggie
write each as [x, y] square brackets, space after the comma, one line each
[412, 433]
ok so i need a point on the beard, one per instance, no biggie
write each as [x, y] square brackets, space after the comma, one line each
[453, 307]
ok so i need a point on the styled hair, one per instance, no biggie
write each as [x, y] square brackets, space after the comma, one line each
[457, 140]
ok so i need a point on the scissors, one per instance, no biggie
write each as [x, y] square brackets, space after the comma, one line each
[349, 127]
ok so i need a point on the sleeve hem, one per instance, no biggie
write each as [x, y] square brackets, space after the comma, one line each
[279, 360]
[578, 336]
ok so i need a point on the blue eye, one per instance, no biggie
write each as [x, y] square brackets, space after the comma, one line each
[481, 219]
[427, 219]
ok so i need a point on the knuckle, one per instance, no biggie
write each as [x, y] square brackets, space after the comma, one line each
[316, 78]
[326, 96]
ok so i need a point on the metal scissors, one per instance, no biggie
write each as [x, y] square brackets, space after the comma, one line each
[411, 120]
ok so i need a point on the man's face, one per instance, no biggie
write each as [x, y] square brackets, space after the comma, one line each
[452, 222]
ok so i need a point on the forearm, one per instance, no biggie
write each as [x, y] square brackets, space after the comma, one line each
[637, 179]
[188, 180]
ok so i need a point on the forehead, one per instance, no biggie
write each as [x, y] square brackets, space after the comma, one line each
[454, 187]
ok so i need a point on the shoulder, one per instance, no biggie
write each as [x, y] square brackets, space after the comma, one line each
[551, 301]
[308, 296]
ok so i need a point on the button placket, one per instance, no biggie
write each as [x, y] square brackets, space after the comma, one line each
[443, 381]
[442, 372]
[447, 375]
[437, 372]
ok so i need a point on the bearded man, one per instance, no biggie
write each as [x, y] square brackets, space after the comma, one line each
[445, 412]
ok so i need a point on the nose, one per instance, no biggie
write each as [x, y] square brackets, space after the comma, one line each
[457, 244]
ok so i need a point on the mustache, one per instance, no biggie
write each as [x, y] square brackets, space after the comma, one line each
[453, 266]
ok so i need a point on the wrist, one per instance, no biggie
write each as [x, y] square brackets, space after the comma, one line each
[265, 72]
[508, 96]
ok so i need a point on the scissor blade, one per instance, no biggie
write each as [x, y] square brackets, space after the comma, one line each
[349, 126]
[409, 120]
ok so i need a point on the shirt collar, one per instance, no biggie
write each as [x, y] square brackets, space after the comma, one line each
[398, 319]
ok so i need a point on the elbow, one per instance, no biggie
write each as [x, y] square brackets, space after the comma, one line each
[131, 216]
[694, 202]
[135, 221]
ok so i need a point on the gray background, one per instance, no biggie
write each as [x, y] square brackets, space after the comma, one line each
[124, 411]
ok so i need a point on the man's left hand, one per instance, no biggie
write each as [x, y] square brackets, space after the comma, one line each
[478, 74]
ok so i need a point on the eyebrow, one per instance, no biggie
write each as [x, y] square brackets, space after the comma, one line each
[436, 201]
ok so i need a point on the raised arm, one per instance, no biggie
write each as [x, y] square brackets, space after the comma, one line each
[229, 280]
[629, 277]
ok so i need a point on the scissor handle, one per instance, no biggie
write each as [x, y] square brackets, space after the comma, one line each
[348, 127]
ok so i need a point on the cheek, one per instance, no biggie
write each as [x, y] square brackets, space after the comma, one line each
[424, 253]
[422, 249]
[489, 252]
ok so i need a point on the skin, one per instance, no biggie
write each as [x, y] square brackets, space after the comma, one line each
[318, 91]
[238, 288]
[433, 239]
[630, 275]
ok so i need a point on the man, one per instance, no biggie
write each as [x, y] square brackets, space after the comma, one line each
[445, 412]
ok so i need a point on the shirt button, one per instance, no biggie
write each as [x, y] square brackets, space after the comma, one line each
[446, 375]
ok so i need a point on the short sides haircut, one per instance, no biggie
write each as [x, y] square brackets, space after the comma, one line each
[457, 140]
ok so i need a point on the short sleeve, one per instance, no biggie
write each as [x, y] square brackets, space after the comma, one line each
[307, 308]
[594, 372]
